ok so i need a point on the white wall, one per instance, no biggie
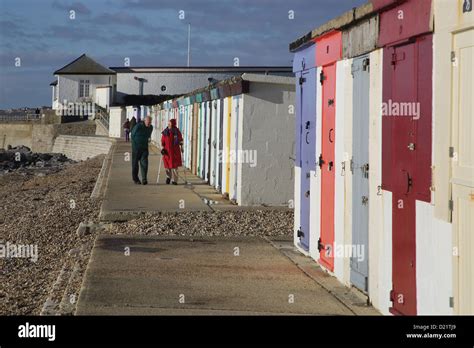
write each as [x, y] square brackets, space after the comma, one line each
[102, 96]
[315, 180]
[342, 232]
[176, 83]
[69, 86]
[380, 202]
[117, 118]
[433, 262]
[268, 129]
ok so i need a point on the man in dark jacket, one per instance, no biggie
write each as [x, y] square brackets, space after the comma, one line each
[133, 122]
[141, 134]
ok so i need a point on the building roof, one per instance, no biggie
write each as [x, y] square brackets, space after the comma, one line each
[203, 69]
[84, 65]
[274, 79]
[347, 19]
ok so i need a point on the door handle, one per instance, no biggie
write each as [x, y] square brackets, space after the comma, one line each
[330, 132]
[306, 138]
[409, 182]
[320, 245]
[365, 200]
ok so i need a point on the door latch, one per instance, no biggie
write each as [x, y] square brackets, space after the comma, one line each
[330, 102]
[320, 245]
[302, 80]
[299, 233]
[307, 124]
[365, 200]
[330, 165]
[320, 161]
[365, 170]
[411, 146]
[322, 77]
[409, 182]
[306, 194]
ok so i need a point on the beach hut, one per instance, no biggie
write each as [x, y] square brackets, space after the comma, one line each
[450, 236]
[239, 139]
[304, 67]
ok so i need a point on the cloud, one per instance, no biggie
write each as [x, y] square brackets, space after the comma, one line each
[77, 6]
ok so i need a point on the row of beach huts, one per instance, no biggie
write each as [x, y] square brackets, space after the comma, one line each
[369, 140]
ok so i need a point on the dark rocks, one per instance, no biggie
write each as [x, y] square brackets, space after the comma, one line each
[21, 159]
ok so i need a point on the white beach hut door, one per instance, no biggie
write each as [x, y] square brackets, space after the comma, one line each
[462, 153]
[360, 173]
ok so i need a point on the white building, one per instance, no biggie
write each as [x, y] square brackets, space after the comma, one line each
[86, 81]
[83, 82]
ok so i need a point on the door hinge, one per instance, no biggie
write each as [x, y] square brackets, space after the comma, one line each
[451, 302]
[322, 77]
[451, 152]
[451, 205]
[453, 57]
[365, 64]
[392, 295]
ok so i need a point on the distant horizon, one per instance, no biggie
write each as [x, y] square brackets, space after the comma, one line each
[148, 33]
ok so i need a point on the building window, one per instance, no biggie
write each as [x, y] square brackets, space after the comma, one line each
[84, 88]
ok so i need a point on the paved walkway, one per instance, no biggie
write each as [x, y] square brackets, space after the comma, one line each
[173, 275]
[177, 275]
[124, 200]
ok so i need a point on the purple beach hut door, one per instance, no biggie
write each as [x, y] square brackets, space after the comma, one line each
[305, 71]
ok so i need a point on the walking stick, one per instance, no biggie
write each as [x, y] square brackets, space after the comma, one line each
[159, 170]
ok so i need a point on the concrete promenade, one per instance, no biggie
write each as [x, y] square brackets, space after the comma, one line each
[166, 275]
[124, 200]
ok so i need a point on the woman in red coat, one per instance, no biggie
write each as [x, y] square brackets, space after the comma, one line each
[171, 148]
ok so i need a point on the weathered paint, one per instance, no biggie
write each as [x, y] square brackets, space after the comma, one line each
[228, 140]
[328, 51]
[452, 21]
[220, 143]
[315, 181]
[235, 146]
[462, 170]
[195, 138]
[380, 202]
[360, 39]
[207, 163]
[214, 125]
[433, 262]
[342, 235]
[359, 166]
[266, 142]
[407, 165]
[408, 19]
[304, 66]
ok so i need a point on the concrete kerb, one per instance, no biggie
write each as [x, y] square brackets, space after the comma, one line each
[100, 185]
[352, 298]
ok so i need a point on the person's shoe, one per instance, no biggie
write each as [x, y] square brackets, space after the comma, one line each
[144, 182]
[174, 183]
[137, 182]
[168, 180]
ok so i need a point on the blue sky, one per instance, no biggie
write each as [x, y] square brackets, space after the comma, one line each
[149, 32]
